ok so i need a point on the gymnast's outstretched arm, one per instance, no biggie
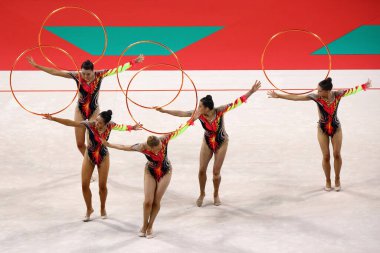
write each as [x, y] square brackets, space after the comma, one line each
[352, 91]
[175, 112]
[51, 71]
[273, 94]
[134, 147]
[239, 101]
[66, 122]
[124, 67]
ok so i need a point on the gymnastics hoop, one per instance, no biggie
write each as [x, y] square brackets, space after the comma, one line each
[286, 31]
[159, 64]
[14, 65]
[173, 66]
[78, 8]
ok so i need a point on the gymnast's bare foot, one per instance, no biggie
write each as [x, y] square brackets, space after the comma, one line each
[337, 184]
[200, 200]
[149, 233]
[328, 185]
[103, 214]
[88, 215]
[142, 232]
[217, 201]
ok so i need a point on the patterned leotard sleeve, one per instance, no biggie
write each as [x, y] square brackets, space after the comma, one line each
[121, 68]
[238, 102]
[121, 127]
[352, 91]
[178, 132]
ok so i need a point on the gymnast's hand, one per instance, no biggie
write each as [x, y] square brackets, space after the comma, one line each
[139, 59]
[137, 126]
[196, 115]
[256, 86]
[272, 94]
[47, 116]
[31, 61]
[159, 109]
[104, 142]
[369, 83]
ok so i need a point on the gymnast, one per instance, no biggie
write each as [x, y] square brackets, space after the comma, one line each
[97, 154]
[329, 128]
[158, 172]
[215, 140]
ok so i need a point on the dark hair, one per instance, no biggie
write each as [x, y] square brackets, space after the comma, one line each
[106, 116]
[208, 102]
[326, 84]
[87, 65]
[153, 141]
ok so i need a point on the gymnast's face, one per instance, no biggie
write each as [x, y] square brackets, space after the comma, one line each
[99, 122]
[203, 109]
[323, 93]
[87, 74]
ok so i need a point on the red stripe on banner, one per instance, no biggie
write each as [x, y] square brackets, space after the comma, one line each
[247, 27]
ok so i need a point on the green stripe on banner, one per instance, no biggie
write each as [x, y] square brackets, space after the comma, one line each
[91, 38]
[363, 40]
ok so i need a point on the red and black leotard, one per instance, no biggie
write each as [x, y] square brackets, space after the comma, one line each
[158, 164]
[328, 110]
[89, 92]
[215, 134]
[95, 149]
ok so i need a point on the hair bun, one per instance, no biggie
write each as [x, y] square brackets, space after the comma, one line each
[328, 79]
[208, 102]
[106, 115]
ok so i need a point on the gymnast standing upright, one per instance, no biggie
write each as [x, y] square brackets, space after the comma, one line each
[215, 140]
[329, 127]
[96, 155]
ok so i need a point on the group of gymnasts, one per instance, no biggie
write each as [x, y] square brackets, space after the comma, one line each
[158, 167]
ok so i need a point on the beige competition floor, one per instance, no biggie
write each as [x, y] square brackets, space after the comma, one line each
[272, 178]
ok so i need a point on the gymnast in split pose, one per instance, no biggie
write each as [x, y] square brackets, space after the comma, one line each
[88, 82]
[329, 128]
[158, 172]
[97, 154]
[215, 140]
